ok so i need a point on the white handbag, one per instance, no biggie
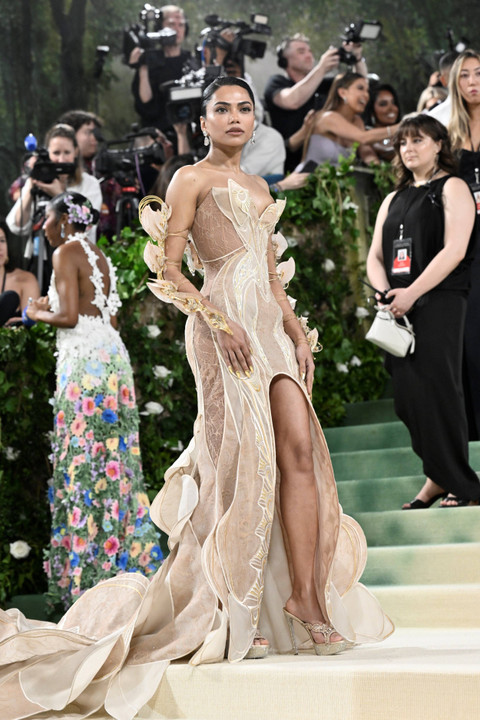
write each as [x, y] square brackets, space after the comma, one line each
[391, 335]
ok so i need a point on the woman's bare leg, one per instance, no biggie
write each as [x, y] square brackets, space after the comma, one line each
[298, 496]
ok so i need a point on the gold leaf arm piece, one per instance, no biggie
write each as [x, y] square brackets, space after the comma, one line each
[155, 223]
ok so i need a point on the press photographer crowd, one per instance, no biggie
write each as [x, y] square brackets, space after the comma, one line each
[308, 113]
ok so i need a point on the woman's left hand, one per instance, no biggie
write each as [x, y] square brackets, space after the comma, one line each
[36, 306]
[401, 301]
[306, 364]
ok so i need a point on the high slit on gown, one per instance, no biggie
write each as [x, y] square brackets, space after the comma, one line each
[228, 570]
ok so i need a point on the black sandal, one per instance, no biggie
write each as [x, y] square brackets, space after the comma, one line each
[459, 502]
[418, 504]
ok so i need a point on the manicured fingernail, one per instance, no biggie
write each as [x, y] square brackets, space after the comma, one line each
[247, 373]
[238, 374]
[251, 368]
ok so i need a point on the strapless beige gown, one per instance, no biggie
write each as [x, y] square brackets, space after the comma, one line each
[228, 570]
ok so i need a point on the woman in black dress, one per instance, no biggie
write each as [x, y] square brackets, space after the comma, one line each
[464, 130]
[421, 251]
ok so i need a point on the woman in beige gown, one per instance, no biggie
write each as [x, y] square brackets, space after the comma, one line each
[250, 506]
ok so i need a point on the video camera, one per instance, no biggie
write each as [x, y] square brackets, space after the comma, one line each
[148, 34]
[123, 164]
[358, 32]
[46, 171]
[185, 94]
[240, 45]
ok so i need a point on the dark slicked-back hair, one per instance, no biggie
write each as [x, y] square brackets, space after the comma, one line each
[224, 81]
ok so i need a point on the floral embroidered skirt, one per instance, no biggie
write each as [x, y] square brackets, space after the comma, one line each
[100, 511]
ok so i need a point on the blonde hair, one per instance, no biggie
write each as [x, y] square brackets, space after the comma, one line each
[459, 125]
[431, 92]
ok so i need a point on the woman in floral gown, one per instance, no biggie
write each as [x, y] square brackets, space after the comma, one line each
[100, 511]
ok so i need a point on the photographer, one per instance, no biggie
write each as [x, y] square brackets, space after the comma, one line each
[62, 147]
[87, 128]
[289, 98]
[157, 66]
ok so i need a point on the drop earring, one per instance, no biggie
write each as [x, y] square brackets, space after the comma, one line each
[62, 231]
[252, 139]
[206, 139]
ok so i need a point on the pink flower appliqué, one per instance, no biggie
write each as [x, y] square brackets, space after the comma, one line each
[97, 448]
[115, 510]
[113, 470]
[144, 559]
[125, 487]
[60, 419]
[79, 544]
[111, 545]
[73, 391]
[75, 516]
[88, 406]
[78, 425]
[124, 395]
[110, 402]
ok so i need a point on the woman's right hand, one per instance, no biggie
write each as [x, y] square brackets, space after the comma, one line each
[235, 348]
[57, 187]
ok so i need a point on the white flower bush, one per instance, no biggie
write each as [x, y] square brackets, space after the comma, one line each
[20, 549]
[348, 204]
[342, 368]
[152, 408]
[153, 331]
[361, 312]
[328, 265]
[160, 371]
[11, 453]
[355, 361]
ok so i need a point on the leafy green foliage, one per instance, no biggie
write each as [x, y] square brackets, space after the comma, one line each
[323, 227]
[26, 384]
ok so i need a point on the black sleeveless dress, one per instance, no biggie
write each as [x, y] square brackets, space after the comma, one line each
[469, 170]
[427, 386]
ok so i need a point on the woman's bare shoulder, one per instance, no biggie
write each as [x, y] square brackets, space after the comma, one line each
[190, 179]
[21, 276]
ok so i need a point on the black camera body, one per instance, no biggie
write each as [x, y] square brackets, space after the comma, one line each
[122, 163]
[137, 36]
[46, 171]
[185, 95]
[241, 46]
[358, 32]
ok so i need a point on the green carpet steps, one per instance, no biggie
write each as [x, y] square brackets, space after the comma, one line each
[367, 437]
[365, 413]
[378, 494]
[423, 565]
[421, 527]
[431, 606]
[365, 464]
